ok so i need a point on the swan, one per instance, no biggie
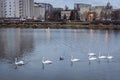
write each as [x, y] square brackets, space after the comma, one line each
[109, 57]
[92, 58]
[46, 61]
[101, 57]
[19, 62]
[74, 59]
[91, 54]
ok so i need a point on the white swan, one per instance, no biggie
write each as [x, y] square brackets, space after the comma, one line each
[90, 58]
[91, 54]
[101, 57]
[46, 61]
[109, 57]
[19, 62]
[74, 59]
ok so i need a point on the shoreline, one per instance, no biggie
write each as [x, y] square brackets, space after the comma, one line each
[59, 25]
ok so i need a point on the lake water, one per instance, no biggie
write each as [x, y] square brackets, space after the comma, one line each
[31, 45]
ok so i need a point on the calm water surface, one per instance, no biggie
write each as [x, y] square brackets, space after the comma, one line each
[31, 45]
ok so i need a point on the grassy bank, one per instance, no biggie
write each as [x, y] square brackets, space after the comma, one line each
[58, 25]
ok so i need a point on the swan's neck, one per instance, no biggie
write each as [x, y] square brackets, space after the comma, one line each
[89, 56]
[16, 60]
[43, 59]
[99, 53]
[71, 57]
[108, 54]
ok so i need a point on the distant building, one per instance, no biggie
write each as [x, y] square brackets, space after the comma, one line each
[106, 13]
[56, 15]
[27, 8]
[66, 14]
[48, 10]
[83, 13]
[74, 16]
[88, 13]
[97, 10]
[116, 14]
[57, 9]
[39, 12]
[16, 8]
[77, 6]
[83, 10]
[9, 8]
[93, 13]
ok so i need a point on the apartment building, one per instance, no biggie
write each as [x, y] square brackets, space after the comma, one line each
[39, 11]
[17, 8]
[9, 8]
[48, 10]
[26, 8]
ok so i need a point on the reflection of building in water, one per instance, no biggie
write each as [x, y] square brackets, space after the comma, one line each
[3, 44]
[27, 41]
[91, 33]
[48, 34]
[14, 43]
[106, 36]
[75, 34]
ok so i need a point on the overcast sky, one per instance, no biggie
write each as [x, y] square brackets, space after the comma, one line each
[70, 3]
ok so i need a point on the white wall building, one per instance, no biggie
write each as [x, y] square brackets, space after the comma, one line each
[28, 11]
[48, 10]
[1, 8]
[17, 8]
[9, 8]
[39, 11]
[27, 8]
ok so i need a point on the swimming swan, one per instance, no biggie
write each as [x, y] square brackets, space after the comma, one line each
[109, 57]
[91, 54]
[90, 58]
[101, 57]
[46, 61]
[74, 59]
[19, 62]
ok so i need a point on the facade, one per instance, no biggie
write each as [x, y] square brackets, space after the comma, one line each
[16, 8]
[65, 15]
[83, 13]
[106, 13]
[1, 8]
[21, 8]
[28, 9]
[48, 11]
[116, 14]
[83, 10]
[39, 11]
[9, 8]
[90, 13]
[94, 13]
[98, 10]
[77, 6]
[56, 15]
